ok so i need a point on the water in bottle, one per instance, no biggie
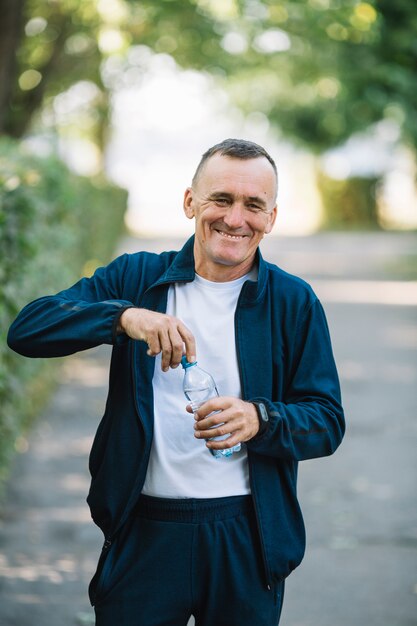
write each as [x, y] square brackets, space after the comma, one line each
[199, 386]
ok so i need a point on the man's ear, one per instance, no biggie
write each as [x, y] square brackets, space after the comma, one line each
[188, 201]
[271, 220]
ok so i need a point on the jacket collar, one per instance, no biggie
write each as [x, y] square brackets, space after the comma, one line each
[182, 269]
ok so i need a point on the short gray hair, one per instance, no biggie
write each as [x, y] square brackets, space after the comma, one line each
[236, 149]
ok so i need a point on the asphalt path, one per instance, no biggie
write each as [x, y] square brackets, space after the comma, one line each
[360, 505]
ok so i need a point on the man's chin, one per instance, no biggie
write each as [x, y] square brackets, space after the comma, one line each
[229, 260]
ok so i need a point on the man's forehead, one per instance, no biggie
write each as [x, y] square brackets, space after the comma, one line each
[221, 172]
[224, 167]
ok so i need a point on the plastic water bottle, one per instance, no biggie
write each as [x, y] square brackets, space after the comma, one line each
[199, 386]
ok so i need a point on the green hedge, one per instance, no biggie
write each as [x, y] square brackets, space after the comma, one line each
[54, 227]
[349, 204]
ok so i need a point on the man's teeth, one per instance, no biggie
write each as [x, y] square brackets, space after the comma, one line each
[230, 236]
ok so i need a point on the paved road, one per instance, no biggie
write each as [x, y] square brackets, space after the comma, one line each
[360, 505]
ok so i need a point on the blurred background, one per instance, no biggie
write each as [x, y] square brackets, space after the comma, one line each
[105, 109]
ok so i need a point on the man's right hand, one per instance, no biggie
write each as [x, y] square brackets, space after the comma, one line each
[163, 333]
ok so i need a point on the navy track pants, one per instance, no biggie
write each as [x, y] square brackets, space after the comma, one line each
[177, 558]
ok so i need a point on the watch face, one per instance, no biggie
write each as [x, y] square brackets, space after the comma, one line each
[263, 412]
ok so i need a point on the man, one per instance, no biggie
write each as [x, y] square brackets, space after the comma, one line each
[186, 533]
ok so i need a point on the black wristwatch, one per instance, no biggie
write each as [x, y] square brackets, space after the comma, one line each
[263, 418]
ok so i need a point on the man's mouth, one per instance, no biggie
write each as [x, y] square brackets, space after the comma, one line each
[230, 236]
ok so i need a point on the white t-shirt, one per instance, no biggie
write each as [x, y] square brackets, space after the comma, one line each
[181, 466]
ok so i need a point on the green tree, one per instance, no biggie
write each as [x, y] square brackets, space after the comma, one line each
[319, 69]
[49, 45]
[322, 70]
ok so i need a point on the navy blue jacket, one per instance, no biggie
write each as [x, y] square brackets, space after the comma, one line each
[285, 361]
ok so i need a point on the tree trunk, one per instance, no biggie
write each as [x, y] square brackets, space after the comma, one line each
[10, 34]
[24, 104]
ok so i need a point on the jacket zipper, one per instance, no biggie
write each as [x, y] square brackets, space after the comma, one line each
[252, 486]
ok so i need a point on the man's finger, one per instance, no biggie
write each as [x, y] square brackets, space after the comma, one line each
[154, 346]
[189, 343]
[176, 347]
[224, 444]
[210, 406]
[166, 347]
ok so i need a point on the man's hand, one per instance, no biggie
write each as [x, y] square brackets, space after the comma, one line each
[163, 333]
[237, 418]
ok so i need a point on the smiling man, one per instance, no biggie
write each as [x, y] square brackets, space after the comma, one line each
[187, 533]
[233, 202]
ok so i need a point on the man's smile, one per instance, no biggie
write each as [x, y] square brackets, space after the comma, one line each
[229, 235]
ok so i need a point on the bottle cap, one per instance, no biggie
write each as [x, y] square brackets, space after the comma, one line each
[185, 363]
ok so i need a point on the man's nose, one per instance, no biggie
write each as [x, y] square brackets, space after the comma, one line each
[234, 217]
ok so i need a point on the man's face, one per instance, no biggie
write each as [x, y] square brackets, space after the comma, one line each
[233, 203]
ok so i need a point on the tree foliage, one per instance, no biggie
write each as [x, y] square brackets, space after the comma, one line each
[319, 69]
[343, 66]
[64, 42]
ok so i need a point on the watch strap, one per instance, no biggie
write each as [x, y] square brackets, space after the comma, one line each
[263, 418]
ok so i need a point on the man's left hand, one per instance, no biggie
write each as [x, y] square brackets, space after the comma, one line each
[225, 416]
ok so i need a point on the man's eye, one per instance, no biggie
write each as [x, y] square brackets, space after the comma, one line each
[254, 207]
[221, 201]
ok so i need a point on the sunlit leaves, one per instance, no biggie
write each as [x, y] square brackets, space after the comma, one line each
[319, 69]
[35, 26]
[29, 80]
[220, 9]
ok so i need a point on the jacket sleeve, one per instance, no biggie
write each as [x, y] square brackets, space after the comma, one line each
[78, 318]
[309, 423]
